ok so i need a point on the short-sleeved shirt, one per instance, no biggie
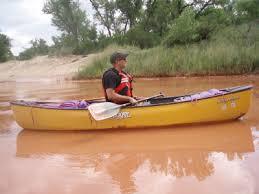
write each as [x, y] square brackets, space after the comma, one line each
[112, 79]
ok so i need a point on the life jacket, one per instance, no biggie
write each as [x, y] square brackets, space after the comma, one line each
[126, 81]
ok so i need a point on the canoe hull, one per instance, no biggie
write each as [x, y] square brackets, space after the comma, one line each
[219, 108]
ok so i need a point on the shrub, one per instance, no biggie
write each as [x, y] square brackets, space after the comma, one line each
[183, 30]
[138, 37]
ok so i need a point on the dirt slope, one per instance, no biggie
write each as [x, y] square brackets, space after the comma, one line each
[43, 67]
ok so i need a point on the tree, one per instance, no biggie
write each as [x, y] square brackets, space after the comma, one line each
[138, 37]
[247, 10]
[211, 20]
[183, 30]
[131, 10]
[70, 19]
[5, 48]
[106, 14]
[38, 47]
[157, 16]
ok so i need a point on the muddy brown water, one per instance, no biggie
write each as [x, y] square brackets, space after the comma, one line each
[211, 158]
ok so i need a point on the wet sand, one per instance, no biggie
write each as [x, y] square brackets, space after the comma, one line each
[211, 158]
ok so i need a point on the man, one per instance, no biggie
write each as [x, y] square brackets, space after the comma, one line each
[117, 84]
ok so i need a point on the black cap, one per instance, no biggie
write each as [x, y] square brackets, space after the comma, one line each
[116, 56]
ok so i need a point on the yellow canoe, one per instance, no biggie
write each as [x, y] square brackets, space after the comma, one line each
[165, 111]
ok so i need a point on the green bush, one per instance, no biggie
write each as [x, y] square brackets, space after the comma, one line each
[184, 29]
[211, 21]
[138, 37]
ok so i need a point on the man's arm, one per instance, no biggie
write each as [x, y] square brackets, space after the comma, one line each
[117, 98]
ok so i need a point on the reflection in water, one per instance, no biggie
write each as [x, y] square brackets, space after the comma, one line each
[180, 152]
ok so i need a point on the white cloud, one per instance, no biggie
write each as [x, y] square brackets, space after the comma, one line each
[23, 20]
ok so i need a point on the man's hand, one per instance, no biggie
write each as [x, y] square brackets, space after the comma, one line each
[132, 100]
[117, 98]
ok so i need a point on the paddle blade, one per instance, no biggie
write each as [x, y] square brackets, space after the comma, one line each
[104, 110]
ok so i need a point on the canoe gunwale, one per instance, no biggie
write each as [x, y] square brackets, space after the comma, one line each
[229, 91]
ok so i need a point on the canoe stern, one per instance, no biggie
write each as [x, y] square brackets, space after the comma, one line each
[23, 116]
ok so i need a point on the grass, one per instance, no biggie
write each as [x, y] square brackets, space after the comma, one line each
[232, 51]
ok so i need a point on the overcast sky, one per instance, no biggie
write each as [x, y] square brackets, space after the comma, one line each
[23, 20]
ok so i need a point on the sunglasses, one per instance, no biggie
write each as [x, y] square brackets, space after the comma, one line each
[124, 59]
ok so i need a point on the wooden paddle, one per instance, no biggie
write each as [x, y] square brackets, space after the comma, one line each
[105, 110]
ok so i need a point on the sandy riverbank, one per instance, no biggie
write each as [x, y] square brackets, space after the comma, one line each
[43, 67]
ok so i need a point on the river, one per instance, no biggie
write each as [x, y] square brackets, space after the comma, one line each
[219, 158]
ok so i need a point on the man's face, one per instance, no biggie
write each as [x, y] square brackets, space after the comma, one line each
[122, 63]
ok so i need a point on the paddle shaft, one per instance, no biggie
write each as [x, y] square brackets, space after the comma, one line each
[144, 99]
[116, 106]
